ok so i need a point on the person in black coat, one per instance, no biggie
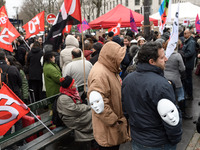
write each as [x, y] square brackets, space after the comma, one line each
[35, 70]
[144, 93]
[96, 50]
[14, 83]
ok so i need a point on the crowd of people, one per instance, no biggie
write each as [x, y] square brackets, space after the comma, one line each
[114, 91]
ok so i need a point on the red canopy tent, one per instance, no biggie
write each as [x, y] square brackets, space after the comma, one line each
[111, 18]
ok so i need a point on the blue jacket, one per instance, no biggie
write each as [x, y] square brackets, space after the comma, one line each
[141, 92]
[189, 51]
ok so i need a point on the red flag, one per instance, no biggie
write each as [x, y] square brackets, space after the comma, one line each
[67, 29]
[116, 29]
[8, 32]
[35, 25]
[11, 109]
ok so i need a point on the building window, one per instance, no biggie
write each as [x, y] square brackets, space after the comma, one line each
[137, 2]
[117, 2]
[113, 4]
[159, 2]
[120, 1]
[126, 3]
[107, 6]
[110, 5]
[137, 10]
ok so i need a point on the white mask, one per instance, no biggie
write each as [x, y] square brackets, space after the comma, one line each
[96, 102]
[168, 112]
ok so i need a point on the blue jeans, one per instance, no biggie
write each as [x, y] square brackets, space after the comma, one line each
[180, 94]
[137, 146]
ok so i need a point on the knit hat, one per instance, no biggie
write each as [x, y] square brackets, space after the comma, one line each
[67, 82]
[110, 34]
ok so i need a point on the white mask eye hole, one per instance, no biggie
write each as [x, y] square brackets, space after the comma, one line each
[97, 101]
[164, 116]
[91, 104]
[172, 111]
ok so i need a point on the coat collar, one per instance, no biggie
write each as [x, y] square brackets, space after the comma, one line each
[145, 67]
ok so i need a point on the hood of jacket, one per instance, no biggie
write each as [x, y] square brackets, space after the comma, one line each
[111, 56]
[71, 41]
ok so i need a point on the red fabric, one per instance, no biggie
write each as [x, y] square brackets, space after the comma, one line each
[73, 93]
[67, 29]
[110, 19]
[8, 32]
[87, 54]
[116, 29]
[12, 109]
[35, 25]
[74, 12]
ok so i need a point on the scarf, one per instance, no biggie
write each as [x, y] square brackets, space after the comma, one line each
[73, 93]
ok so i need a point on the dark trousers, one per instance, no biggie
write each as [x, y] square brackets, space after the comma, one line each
[188, 86]
[109, 148]
[36, 85]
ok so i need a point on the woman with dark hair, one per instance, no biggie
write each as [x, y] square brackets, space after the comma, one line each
[96, 50]
[24, 88]
[35, 70]
[52, 74]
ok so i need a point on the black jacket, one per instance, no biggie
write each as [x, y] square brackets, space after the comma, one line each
[189, 53]
[141, 92]
[34, 64]
[14, 78]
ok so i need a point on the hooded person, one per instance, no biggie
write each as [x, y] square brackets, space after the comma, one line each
[74, 114]
[65, 55]
[110, 127]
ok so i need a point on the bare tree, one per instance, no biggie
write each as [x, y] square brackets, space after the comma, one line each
[30, 8]
[98, 4]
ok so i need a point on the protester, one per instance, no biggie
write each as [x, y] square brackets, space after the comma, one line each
[96, 50]
[109, 124]
[75, 70]
[24, 88]
[87, 48]
[149, 102]
[73, 113]
[35, 70]
[173, 70]
[189, 55]
[65, 55]
[52, 74]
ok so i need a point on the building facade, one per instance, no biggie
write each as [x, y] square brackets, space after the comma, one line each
[89, 10]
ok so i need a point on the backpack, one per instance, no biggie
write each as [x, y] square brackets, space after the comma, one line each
[4, 76]
[55, 117]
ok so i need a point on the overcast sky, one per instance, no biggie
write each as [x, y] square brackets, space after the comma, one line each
[9, 7]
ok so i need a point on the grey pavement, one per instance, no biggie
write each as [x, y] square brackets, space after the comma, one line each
[190, 138]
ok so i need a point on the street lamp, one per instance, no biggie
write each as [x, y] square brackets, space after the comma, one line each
[17, 16]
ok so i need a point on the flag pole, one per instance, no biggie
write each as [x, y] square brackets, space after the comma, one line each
[41, 122]
[25, 42]
[83, 58]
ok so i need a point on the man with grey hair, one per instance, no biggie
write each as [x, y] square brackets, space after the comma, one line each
[189, 55]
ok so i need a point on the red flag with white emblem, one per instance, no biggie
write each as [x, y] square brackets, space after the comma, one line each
[11, 109]
[116, 29]
[8, 32]
[35, 25]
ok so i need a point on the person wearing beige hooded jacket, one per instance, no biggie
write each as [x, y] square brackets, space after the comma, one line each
[110, 127]
[65, 55]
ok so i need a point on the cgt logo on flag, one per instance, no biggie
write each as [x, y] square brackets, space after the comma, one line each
[11, 109]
